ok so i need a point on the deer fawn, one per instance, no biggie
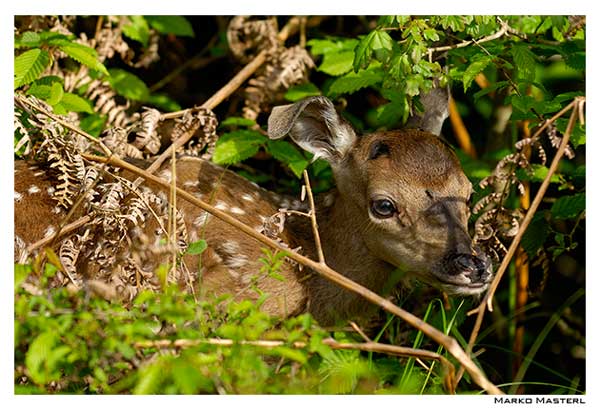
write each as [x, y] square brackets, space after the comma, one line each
[401, 202]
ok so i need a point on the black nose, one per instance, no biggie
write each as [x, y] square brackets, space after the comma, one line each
[473, 267]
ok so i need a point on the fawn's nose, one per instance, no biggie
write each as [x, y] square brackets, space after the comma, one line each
[476, 268]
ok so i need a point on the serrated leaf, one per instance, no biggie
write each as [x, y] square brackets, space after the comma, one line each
[128, 85]
[137, 29]
[378, 42]
[73, 102]
[524, 60]
[567, 207]
[301, 91]
[197, 248]
[39, 91]
[237, 146]
[473, 69]
[176, 25]
[28, 39]
[578, 134]
[352, 82]
[80, 53]
[288, 154]
[336, 64]
[29, 65]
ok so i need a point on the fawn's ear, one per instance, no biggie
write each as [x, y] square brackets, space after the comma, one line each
[435, 104]
[314, 125]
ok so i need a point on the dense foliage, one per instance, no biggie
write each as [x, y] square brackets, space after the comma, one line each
[507, 74]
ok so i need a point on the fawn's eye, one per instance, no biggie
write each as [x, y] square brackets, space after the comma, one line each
[383, 208]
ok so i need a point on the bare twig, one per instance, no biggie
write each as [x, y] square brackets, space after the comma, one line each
[62, 231]
[487, 301]
[313, 219]
[504, 28]
[223, 93]
[449, 343]
[334, 344]
[21, 99]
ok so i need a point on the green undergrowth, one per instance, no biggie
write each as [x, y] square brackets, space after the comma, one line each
[170, 343]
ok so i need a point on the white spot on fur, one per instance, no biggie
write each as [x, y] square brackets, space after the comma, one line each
[230, 247]
[18, 196]
[236, 210]
[50, 190]
[223, 206]
[194, 236]
[190, 184]
[247, 197]
[165, 174]
[201, 220]
[32, 167]
[254, 184]
[33, 189]
[50, 230]
[57, 210]
[236, 261]
[38, 174]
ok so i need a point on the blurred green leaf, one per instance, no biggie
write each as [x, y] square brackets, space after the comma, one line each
[176, 25]
[288, 154]
[237, 146]
[137, 29]
[301, 91]
[128, 85]
[197, 248]
[568, 206]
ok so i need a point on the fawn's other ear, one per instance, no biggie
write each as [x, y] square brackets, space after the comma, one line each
[435, 104]
[314, 125]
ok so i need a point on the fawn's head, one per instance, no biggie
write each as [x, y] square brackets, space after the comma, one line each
[404, 189]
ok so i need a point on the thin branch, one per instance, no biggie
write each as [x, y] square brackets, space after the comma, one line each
[21, 99]
[313, 219]
[503, 30]
[449, 343]
[334, 344]
[62, 231]
[487, 301]
[223, 93]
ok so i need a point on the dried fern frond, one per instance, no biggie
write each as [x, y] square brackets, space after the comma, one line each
[246, 37]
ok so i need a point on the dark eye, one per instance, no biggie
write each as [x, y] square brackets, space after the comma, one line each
[383, 208]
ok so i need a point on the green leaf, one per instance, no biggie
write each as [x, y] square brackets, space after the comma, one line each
[29, 65]
[73, 102]
[128, 85]
[378, 42]
[490, 89]
[567, 207]
[56, 93]
[36, 359]
[21, 273]
[538, 174]
[524, 60]
[93, 124]
[163, 102]
[352, 82]
[196, 248]
[137, 29]
[301, 91]
[331, 46]
[578, 135]
[238, 122]
[288, 154]
[176, 25]
[83, 54]
[336, 64]
[28, 39]
[473, 69]
[237, 146]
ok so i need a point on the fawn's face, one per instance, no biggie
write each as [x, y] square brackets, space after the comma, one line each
[404, 189]
[411, 201]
